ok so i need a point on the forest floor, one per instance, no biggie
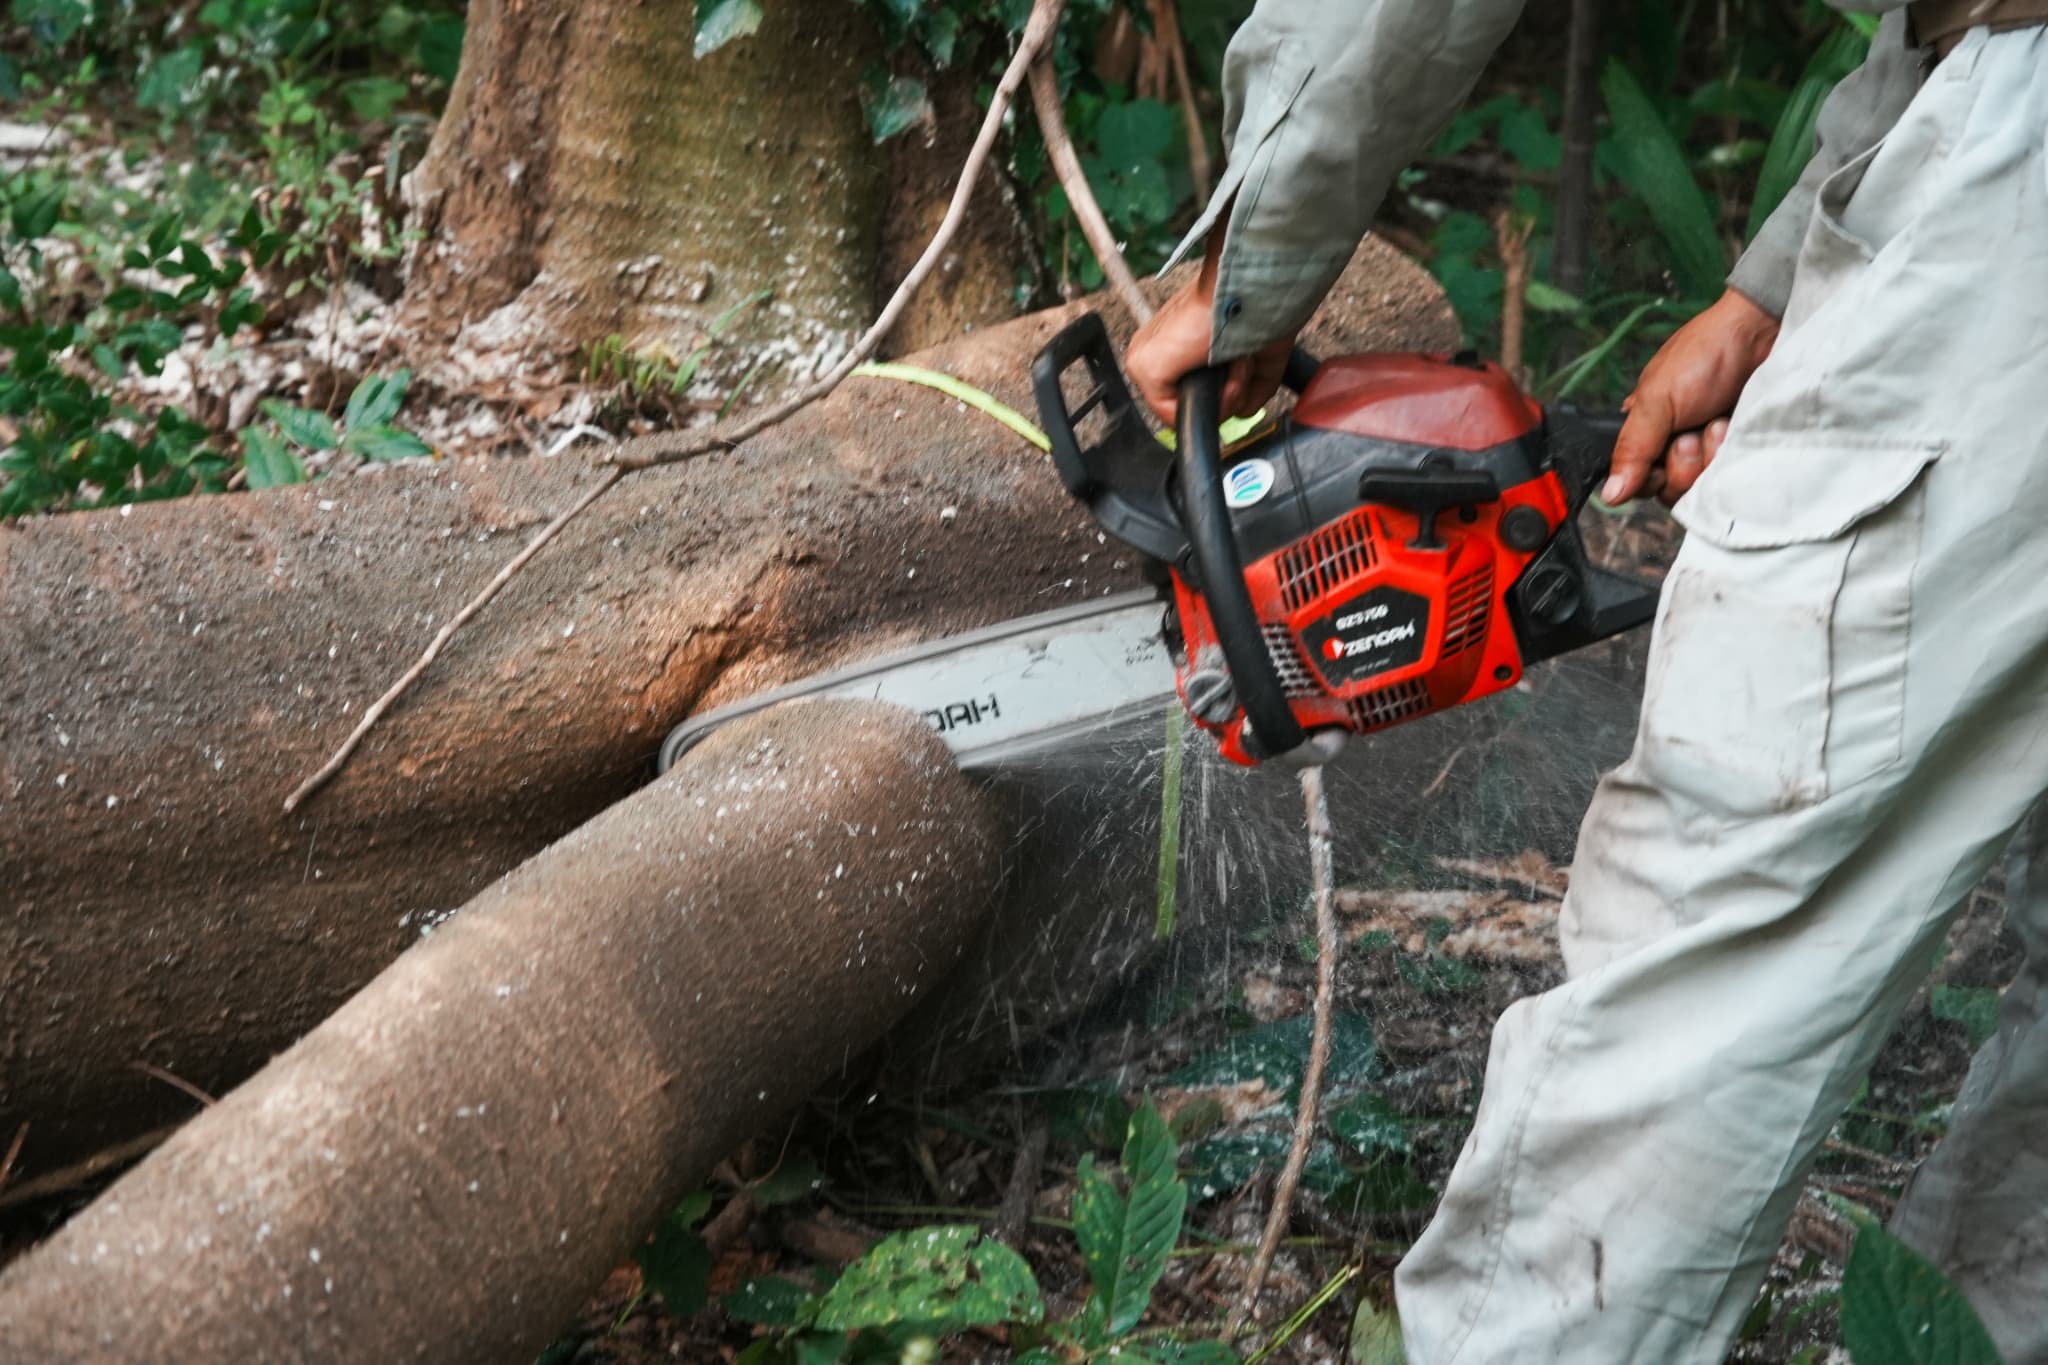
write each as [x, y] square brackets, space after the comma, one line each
[1423, 976]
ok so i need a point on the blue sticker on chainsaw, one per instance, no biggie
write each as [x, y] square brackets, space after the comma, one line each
[1246, 483]
[1374, 632]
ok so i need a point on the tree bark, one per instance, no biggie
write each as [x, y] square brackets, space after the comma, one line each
[590, 177]
[1572, 239]
[176, 668]
[520, 1103]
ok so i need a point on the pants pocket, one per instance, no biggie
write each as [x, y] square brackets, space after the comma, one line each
[1777, 674]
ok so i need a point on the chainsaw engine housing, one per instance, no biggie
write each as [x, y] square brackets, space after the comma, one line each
[1406, 536]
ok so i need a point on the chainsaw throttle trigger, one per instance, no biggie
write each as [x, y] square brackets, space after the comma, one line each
[1428, 492]
[1212, 545]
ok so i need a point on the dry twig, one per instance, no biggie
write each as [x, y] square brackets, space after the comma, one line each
[440, 642]
[1322, 878]
[1066, 165]
[1511, 233]
[13, 1155]
[68, 1178]
[175, 1082]
[1013, 1216]
[1038, 30]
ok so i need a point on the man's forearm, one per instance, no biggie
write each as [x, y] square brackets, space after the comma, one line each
[1325, 102]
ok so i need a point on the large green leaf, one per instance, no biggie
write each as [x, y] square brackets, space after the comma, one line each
[1126, 1240]
[266, 463]
[1898, 1310]
[1792, 139]
[376, 399]
[941, 1278]
[721, 21]
[676, 1264]
[310, 429]
[1655, 170]
[1375, 1337]
[385, 443]
[893, 104]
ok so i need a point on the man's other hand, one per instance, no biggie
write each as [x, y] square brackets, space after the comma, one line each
[1175, 343]
[1680, 408]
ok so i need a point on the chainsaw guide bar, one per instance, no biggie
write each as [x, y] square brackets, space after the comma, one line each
[1009, 691]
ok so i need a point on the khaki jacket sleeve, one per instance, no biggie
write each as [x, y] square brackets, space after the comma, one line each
[1856, 117]
[1324, 102]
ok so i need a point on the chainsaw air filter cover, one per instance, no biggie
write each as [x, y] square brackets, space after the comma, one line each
[1405, 538]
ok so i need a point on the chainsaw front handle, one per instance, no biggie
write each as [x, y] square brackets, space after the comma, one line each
[1212, 546]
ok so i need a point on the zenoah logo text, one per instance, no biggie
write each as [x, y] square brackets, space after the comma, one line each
[1334, 648]
[959, 714]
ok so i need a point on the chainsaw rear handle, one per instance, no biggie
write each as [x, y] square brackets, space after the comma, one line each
[1123, 473]
[1212, 546]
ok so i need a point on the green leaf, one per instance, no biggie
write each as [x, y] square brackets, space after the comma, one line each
[1276, 1053]
[1655, 170]
[1792, 139]
[1383, 1187]
[1087, 1116]
[1134, 132]
[677, 1266]
[941, 1278]
[1126, 1240]
[893, 104]
[439, 46]
[1370, 1126]
[308, 428]
[266, 463]
[1527, 139]
[1974, 1007]
[373, 98]
[36, 212]
[721, 21]
[10, 78]
[1375, 1337]
[53, 22]
[772, 1301]
[384, 443]
[796, 1177]
[170, 82]
[1548, 298]
[376, 400]
[1897, 1309]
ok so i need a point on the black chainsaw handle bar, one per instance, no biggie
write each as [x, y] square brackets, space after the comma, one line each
[1212, 545]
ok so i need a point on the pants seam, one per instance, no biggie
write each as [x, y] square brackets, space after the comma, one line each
[1498, 1210]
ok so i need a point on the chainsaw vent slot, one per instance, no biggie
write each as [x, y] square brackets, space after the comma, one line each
[1400, 702]
[1340, 551]
[1466, 611]
[1295, 678]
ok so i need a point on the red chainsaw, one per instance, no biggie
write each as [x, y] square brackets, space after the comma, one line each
[1403, 541]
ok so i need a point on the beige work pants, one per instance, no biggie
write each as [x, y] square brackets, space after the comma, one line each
[1846, 717]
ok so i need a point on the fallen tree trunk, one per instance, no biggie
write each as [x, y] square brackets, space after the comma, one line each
[524, 1095]
[173, 670]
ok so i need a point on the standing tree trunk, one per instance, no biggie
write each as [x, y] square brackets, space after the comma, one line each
[1573, 237]
[590, 177]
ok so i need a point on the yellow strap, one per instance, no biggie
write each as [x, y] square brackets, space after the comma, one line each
[965, 392]
[1233, 431]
